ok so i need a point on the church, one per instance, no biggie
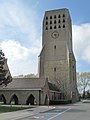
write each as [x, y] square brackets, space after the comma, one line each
[56, 64]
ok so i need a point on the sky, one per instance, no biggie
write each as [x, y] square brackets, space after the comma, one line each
[21, 32]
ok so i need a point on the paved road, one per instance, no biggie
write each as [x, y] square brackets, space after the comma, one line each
[47, 115]
[79, 111]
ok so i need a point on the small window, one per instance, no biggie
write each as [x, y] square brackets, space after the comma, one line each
[46, 23]
[50, 22]
[58, 97]
[50, 17]
[54, 69]
[46, 18]
[50, 27]
[59, 16]
[59, 21]
[55, 22]
[54, 16]
[55, 27]
[46, 28]
[52, 97]
[63, 20]
[59, 26]
[63, 15]
[63, 26]
[55, 47]
[47, 78]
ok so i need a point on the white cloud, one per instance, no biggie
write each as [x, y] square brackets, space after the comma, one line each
[81, 41]
[21, 60]
[86, 54]
[14, 51]
[20, 23]
[14, 15]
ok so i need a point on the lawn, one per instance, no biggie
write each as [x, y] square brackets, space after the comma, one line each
[11, 108]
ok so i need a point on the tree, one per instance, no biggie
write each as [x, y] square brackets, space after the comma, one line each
[4, 77]
[27, 76]
[83, 81]
[88, 94]
[30, 76]
[62, 84]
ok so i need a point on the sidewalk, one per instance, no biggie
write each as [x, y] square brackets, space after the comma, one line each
[24, 113]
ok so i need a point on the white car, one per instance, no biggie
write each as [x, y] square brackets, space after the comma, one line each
[86, 101]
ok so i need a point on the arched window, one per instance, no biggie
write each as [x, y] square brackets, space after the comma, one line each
[30, 100]
[55, 27]
[50, 17]
[46, 28]
[2, 99]
[63, 20]
[50, 22]
[54, 16]
[59, 26]
[63, 26]
[14, 100]
[59, 21]
[46, 18]
[50, 27]
[59, 16]
[55, 22]
[63, 15]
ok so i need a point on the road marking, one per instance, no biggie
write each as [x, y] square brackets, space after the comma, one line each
[58, 114]
[36, 117]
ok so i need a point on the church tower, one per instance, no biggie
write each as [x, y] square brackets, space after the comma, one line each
[56, 60]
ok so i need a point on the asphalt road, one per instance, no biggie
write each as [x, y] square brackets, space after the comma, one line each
[47, 115]
[79, 111]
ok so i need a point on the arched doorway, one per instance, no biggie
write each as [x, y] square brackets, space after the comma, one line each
[14, 100]
[30, 100]
[2, 99]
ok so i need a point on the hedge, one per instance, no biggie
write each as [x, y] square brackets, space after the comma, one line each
[60, 102]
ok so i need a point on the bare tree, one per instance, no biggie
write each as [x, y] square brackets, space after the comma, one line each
[83, 81]
[62, 87]
[62, 84]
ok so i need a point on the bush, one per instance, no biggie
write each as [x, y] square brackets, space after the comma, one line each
[60, 102]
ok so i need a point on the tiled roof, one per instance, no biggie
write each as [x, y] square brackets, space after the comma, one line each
[26, 83]
[29, 83]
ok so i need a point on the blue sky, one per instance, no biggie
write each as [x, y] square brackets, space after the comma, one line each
[21, 31]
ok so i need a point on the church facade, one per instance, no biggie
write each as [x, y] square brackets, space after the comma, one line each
[57, 66]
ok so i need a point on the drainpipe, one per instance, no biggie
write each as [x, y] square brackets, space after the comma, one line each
[39, 97]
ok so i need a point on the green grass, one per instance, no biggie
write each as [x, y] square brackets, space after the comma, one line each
[11, 108]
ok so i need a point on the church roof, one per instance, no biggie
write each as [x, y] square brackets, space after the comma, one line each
[26, 83]
[29, 84]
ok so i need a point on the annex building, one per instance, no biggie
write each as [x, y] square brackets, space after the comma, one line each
[57, 66]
